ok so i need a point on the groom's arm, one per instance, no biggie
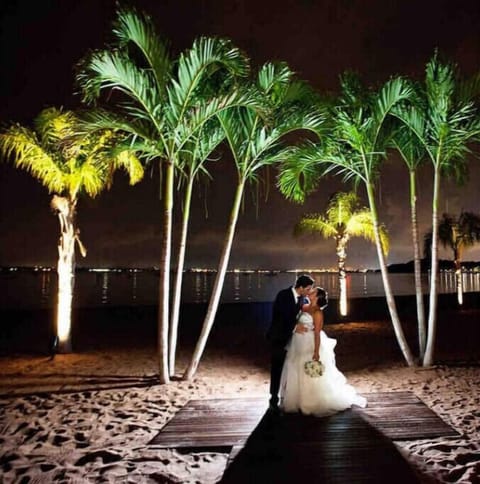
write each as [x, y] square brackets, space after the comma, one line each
[300, 328]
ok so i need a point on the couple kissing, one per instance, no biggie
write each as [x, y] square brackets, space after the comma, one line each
[303, 375]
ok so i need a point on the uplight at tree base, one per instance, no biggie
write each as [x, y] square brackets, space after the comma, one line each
[458, 276]
[343, 297]
[64, 311]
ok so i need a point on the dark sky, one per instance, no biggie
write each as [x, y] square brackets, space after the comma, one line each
[42, 40]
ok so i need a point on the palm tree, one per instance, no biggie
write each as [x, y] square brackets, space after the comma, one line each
[343, 220]
[355, 149]
[256, 144]
[193, 165]
[445, 119]
[457, 234]
[163, 106]
[68, 166]
[413, 154]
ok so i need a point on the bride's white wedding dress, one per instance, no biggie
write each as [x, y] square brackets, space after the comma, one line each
[319, 396]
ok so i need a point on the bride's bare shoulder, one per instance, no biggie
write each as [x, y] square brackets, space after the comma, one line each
[317, 314]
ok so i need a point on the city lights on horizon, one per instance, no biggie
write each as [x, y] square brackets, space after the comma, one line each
[206, 270]
[41, 268]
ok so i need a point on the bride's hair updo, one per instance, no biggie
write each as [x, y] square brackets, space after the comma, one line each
[322, 297]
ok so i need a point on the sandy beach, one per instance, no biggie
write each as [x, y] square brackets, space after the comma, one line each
[89, 416]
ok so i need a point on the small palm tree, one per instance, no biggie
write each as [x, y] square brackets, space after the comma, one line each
[445, 119]
[343, 219]
[68, 166]
[457, 234]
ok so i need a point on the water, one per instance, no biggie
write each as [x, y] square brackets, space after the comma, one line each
[93, 289]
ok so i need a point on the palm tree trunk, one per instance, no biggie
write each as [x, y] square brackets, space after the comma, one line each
[164, 284]
[218, 285]
[397, 327]
[417, 267]
[432, 307]
[342, 277]
[66, 272]
[177, 291]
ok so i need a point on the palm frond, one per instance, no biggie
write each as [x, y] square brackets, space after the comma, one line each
[23, 146]
[200, 148]
[53, 125]
[114, 70]
[88, 177]
[341, 206]
[126, 159]
[299, 174]
[99, 120]
[392, 93]
[316, 224]
[273, 79]
[195, 65]
[196, 118]
[131, 26]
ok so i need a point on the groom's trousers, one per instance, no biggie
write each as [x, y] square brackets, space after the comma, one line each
[277, 360]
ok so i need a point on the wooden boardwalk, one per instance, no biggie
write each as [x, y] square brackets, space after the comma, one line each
[352, 447]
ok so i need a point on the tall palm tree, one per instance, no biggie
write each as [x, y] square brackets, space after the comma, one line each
[445, 120]
[458, 234]
[162, 105]
[192, 166]
[355, 149]
[255, 144]
[343, 219]
[413, 155]
[68, 166]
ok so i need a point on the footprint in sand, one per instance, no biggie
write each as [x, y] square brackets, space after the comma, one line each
[58, 440]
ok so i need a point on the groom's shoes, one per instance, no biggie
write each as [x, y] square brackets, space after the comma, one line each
[274, 409]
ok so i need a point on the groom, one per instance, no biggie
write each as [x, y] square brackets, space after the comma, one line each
[286, 307]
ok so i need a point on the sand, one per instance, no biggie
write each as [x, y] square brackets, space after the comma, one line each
[89, 416]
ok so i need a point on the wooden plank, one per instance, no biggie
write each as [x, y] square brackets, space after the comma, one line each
[403, 416]
[398, 415]
[305, 449]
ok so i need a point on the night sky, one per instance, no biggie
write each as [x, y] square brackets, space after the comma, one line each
[42, 40]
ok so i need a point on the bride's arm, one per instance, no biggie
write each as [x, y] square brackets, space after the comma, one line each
[318, 325]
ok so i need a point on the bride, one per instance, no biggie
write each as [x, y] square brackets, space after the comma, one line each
[314, 395]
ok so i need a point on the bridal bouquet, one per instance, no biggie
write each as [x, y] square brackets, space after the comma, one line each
[313, 368]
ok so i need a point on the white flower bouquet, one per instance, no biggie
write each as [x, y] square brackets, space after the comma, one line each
[313, 368]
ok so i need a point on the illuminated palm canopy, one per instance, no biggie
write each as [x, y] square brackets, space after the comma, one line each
[66, 162]
[344, 218]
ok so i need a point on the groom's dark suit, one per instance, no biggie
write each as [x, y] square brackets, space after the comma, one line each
[285, 309]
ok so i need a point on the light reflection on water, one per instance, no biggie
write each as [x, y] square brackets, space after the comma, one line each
[105, 288]
[134, 286]
[45, 288]
[25, 289]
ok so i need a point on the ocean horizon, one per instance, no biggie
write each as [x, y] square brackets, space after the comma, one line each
[95, 288]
